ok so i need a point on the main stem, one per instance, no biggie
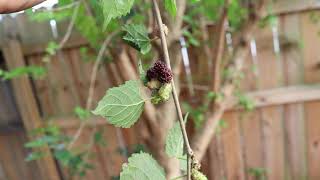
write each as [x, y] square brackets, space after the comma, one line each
[174, 91]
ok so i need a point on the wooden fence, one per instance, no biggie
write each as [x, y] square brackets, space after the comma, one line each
[280, 138]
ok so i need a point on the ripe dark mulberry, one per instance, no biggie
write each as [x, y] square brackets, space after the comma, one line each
[165, 76]
[152, 74]
[164, 73]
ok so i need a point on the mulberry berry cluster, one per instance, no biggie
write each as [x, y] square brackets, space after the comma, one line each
[160, 71]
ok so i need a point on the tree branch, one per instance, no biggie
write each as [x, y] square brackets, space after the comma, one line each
[220, 47]
[174, 92]
[202, 138]
[91, 86]
[70, 25]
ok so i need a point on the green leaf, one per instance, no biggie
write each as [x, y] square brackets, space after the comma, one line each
[142, 73]
[171, 7]
[137, 37]
[82, 113]
[115, 8]
[35, 156]
[52, 48]
[99, 139]
[34, 71]
[174, 141]
[88, 27]
[41, 16]
[197, 175]
[191, 38]
[39, 142]
[122, 106]
[142, 167]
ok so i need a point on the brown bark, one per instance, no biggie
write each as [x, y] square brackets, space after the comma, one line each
[202, 138]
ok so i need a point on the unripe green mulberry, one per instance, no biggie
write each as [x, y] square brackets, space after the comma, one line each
[162, 95]
[197, 175]
[165, 91]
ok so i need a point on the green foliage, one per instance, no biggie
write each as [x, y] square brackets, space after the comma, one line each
[51, 136]
[198, 113]
[197, 175]
[259, 173]
[42, 16]
[162, 95]
[174, 141]
[221, 125]
[35, 156]
[74, 162]
[191, 38]
[142, 73]
[52, 47]
[142, 167]
[99, 139]
[88, 27]
[81, 113]
[42, 141]
[246, 102]
[33, 71]
[208, 8]
[269, 20]
[171, 7]
[113, 9]
[122, 106]
[97, 11]
[236, 14]
[137, 37]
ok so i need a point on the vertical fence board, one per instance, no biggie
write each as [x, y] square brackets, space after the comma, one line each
[270, 77]
[311, 55]
[250, 123]
[293, 113]
[232, 147]
[27, 104]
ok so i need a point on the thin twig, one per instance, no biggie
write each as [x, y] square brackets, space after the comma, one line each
[174, 92]
[70, 26]
[220, 47]
[64, 7]
[91, 87]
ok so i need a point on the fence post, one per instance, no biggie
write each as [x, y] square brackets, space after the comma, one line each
[27, 105]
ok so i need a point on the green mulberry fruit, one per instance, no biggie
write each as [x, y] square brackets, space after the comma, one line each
[197, 175]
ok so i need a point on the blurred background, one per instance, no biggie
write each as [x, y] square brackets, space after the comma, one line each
[272, 130]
